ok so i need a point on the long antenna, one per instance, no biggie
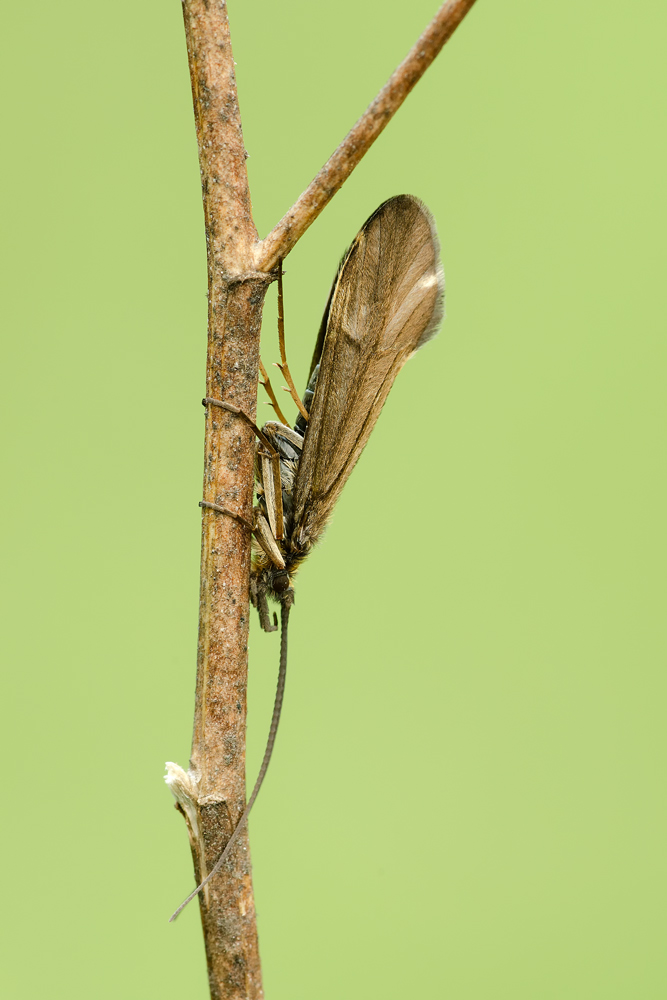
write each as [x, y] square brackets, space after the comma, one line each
[285, 606]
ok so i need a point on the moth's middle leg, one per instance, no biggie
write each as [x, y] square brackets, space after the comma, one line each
[270, 460]
[228, 512]
[261, 530]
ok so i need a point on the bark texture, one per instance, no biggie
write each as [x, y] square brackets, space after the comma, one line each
[218, 745]
[236, 295]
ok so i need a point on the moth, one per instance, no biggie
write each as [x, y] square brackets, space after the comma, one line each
[386, 301]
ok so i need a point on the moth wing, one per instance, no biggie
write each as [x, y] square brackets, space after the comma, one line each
[386, 302]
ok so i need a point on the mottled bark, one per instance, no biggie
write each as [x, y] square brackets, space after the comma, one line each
[236, 295]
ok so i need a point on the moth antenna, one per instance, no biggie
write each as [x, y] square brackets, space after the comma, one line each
[275, 719]
[265, 381]
[281, 341]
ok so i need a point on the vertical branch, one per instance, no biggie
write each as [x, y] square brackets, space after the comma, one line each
[215, 790]
[230, 231]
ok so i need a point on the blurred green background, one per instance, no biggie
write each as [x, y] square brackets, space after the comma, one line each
[467, 799]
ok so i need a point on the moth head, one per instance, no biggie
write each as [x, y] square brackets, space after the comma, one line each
[280, 581]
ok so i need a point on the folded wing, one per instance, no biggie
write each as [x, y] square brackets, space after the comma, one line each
[386, 302]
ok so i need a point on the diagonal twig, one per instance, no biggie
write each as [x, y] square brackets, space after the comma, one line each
[361, 137]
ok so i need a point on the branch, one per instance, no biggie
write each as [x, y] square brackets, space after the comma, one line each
[359, 140]
[211, 795]
[230, 231]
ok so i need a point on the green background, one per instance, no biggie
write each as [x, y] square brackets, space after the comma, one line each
[467, 798]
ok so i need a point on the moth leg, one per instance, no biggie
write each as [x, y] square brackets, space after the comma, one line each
[269, 487]
[291, 388]
[259, 601]
[264, 535]
[265, 382]
[261, 530]
[229, 513]
[237, 411]
[271, 453]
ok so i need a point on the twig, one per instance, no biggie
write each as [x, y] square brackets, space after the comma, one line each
[358, 141]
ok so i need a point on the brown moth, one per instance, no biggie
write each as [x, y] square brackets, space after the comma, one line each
[386, 301]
